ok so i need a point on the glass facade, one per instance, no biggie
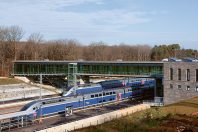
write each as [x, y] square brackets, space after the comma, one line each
[120, 69]
[40, 69]
[91, 68]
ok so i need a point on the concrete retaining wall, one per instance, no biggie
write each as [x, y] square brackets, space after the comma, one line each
[96, 120]
[14, 104]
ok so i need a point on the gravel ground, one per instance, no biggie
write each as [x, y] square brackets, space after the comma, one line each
[18, 91]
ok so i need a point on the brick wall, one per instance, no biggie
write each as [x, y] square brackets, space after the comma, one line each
[172, 95]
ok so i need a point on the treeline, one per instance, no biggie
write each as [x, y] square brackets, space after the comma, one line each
[35, 48]
[174, 50]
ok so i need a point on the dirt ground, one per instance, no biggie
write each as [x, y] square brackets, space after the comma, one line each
[177, 123]
[6, 81]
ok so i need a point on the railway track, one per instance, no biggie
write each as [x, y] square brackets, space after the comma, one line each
[77, 115]
[27, 99]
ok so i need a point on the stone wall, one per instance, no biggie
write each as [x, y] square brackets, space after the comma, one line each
[175, 94]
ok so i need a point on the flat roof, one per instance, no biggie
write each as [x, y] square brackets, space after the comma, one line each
[89, 62]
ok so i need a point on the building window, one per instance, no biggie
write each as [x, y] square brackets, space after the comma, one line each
[179, 86]
[171, 86]
[171, 73]
[179, 74]
[188, 88]
[196, 89]
[188, 74]
[196, 75]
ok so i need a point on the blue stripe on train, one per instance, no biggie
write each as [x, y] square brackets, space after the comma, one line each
[79, 104]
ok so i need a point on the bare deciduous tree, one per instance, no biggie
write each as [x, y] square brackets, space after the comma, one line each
[13, 35]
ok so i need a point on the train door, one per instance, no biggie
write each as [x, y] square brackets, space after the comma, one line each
[100, 99]
[124, 93]
[39, 111]
[83, 102]
[68, 111]
[119, 96]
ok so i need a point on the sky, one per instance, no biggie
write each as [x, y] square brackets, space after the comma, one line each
[132, 22]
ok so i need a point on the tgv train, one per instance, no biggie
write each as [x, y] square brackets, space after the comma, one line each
[90, 95]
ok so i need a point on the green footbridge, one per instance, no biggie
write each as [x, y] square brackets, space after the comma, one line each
[89, 68]
[85, 69]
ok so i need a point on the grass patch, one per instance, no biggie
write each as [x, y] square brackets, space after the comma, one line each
[184, 107]
[5, 81]
[172, 117]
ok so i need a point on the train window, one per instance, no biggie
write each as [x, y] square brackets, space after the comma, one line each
[51, 101]
[100, 94]
[104, 100]
[96, 95]
[114, 93]
[103, 94]
[92, 96]
[110, 93]
[107, 93]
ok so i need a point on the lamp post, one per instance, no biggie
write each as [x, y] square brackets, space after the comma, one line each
[23, 91]
[4, 96]
[102, 98]
[40, 98]
[41, 81]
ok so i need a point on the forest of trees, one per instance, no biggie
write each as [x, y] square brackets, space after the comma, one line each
[35, 48]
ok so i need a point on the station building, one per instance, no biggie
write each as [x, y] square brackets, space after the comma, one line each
[180, 80]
